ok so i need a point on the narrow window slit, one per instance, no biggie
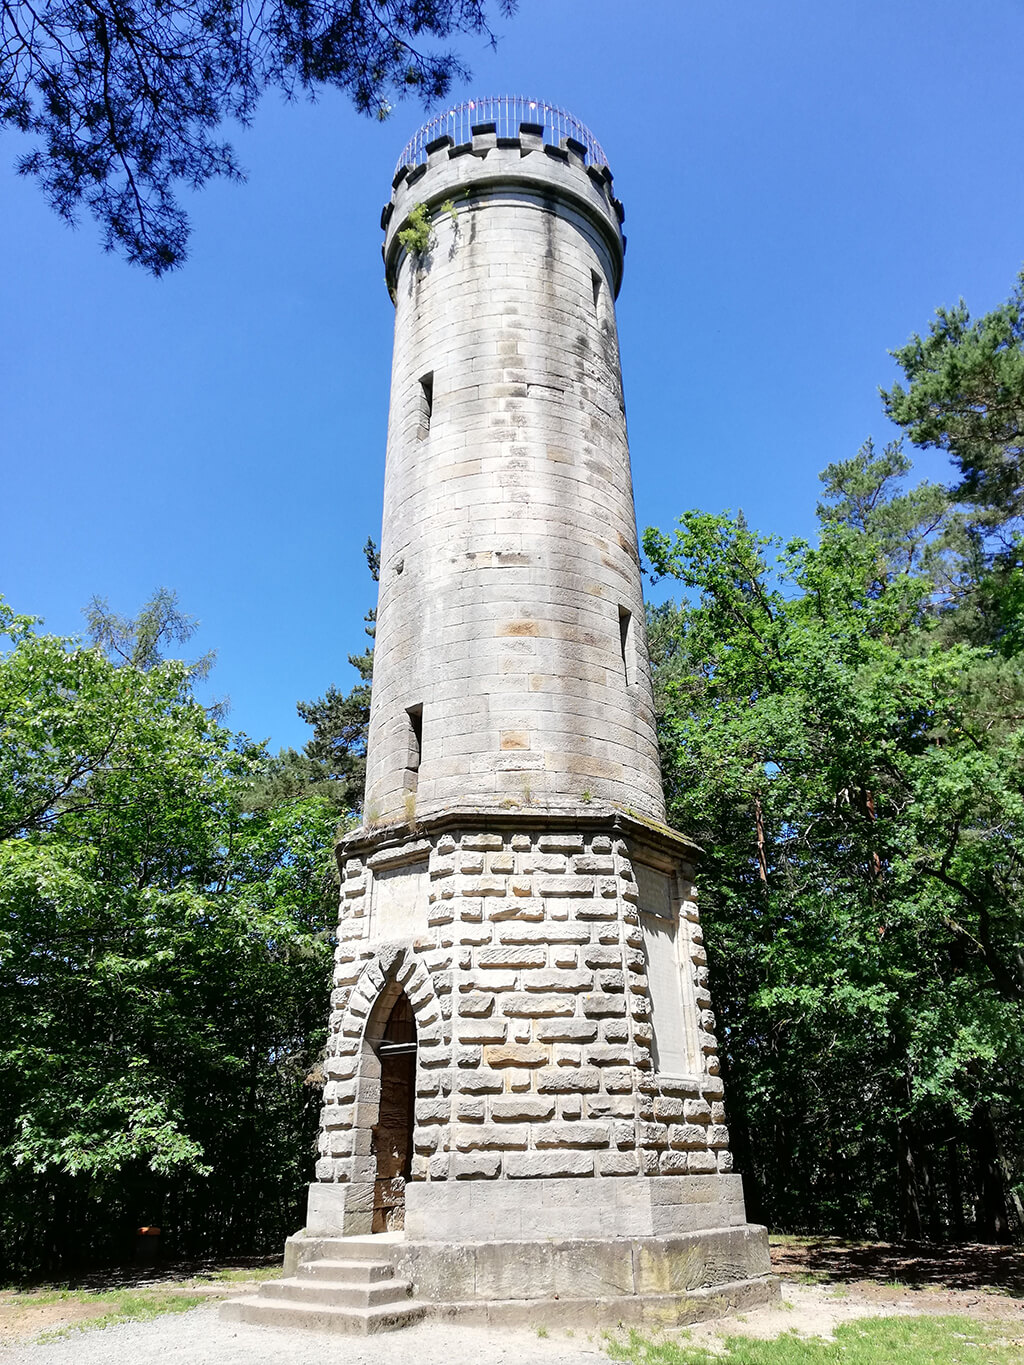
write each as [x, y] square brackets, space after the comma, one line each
[626, 644]
[426, 404]
[595, 280]
[415, 742]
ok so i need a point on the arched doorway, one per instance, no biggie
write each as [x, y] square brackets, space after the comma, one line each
[391, 1138]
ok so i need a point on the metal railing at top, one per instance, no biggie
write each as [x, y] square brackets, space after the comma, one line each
[506, 112]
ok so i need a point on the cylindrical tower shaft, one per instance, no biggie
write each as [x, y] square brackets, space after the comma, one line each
[510, 666]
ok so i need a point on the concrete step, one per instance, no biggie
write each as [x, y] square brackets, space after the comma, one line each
[371, 1247]
[338, 1292]
[351, 1272]
[322, 1317]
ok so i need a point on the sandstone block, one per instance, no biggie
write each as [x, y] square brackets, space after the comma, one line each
[472, 1136]
[565, 886]
[560, 843]
[586, 862]
[567, 1030]
[669, 1107]
[516, 1054]
[674, 1163]
[570, 1135]
[617, 1079]
[491, 1030]
[687, 1135]
[482, 841]
[476, 1004]
[534, 1165]
[490, 980]
[433, 1111]
[474, 936]
[544, 932]
[602, 955]
[600, 1055]
[527, 908]
[537, 1006]
[697, 1111]
[483, 886]
[479, 1082]
[599, 1004]
[701, 1163]
[652, 1135]
[552, 1080]
[611, 1106]
[521, 1108]
[557, 980]
[510, 955]
[618, 1163]
[475, 1166]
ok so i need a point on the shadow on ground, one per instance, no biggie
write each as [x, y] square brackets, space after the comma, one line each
[161, 1274]
[971, 1265]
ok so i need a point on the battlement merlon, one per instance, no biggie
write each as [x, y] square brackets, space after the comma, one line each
[489, 166]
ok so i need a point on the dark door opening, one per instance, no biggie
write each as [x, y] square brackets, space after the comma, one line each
[392, 1134]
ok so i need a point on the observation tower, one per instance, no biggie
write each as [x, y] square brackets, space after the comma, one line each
[523, 1115]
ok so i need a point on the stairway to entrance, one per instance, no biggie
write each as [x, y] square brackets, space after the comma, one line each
[354, 1290]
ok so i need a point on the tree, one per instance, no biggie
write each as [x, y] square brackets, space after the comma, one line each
[126, 98]
[965, 395]
[165, 953]
[333, 762]
[855, 771]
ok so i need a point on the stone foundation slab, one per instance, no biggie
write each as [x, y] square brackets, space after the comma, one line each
[567, 1281]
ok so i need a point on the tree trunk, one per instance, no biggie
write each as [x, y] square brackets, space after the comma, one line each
[957, 1232]
[993, 1223]
[762, 860]
[910, 1208]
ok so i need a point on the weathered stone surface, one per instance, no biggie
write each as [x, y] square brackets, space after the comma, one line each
[517, 1054]
[502, 880]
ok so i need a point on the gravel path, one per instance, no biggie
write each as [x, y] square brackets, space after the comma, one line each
[200, 1337]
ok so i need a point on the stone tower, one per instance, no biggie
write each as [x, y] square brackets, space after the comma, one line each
[522, 1085]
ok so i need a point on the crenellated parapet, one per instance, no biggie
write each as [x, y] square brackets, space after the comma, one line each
[471, 174]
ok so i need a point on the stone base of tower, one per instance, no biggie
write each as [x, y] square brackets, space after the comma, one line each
[564, 1156]
[565, 1281]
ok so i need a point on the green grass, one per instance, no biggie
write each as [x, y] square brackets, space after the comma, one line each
[871, 1341]
[123, 1305]
[253, 1274]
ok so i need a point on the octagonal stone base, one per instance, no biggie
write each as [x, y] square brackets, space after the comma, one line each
[591, 1282]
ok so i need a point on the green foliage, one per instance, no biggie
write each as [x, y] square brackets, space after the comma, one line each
[868, 1341]
[855, 769]
[164, 958]
[965, 395]
[419, 234]
[125, 100]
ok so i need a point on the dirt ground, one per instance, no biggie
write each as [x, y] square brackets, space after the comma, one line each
[27, 1311]
[825, 1281]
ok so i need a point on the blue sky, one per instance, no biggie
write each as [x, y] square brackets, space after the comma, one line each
[804, 183]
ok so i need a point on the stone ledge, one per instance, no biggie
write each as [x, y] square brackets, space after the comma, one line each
[650, 1310]
[566, 1205]
[587, 819]
[602, 1281]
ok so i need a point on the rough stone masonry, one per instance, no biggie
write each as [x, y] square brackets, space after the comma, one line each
[514, 888]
